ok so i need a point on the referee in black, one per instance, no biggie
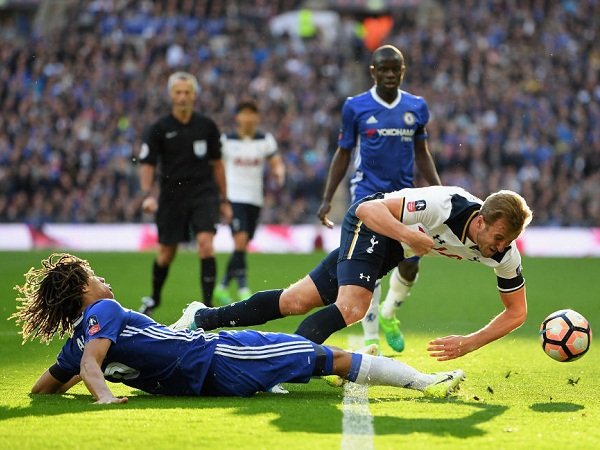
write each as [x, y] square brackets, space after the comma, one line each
[184, 147]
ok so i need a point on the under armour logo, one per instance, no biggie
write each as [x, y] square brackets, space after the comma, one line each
[439, 239]
[373, 244]
[365, 277]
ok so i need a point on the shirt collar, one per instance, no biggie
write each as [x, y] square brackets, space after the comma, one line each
[382, 102]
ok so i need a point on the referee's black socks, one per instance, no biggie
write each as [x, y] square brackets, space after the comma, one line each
[208, 274]
[258, 309]
[159, 275]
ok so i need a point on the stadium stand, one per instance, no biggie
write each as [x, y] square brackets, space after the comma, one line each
[514, 90]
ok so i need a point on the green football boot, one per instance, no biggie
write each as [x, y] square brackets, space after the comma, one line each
[391, 329]
[445, 384]
[221, 296]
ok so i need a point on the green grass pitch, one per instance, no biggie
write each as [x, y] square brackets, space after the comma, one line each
[514, 396]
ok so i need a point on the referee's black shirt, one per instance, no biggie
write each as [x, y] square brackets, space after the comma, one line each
[182, 152]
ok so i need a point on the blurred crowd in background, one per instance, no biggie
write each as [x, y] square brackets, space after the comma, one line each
[513, 88]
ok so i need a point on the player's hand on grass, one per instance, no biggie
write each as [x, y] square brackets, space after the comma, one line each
[149, 205]
[449, 347]
[112, 399]
[322, 214]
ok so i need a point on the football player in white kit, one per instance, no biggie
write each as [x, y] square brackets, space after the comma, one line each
[462, 228]
[246, 152]
[377, 232]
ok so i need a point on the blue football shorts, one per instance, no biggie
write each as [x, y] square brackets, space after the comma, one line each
[249, 361]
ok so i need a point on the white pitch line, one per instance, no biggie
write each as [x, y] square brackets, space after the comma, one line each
[357, 422]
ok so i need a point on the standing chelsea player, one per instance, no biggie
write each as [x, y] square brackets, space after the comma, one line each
[246, 152]
[386, 125]
[187, 148]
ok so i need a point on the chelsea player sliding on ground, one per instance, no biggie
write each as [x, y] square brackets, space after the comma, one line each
[110, 343]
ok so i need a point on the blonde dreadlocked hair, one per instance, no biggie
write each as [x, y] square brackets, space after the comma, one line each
[51, 297]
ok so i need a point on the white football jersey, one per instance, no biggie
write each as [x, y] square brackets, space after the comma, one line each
[244, 165]
[444, 214]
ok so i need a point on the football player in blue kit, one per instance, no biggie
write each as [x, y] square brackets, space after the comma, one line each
[110, 343]
[386, 127]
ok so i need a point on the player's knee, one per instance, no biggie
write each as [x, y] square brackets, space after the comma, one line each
[205, 246]
[166, 255]
[240, 240]
[352, 311]
[292, 302]
[300, 298]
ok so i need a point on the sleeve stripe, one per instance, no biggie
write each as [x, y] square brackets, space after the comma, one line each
[510, 285]
[463, 235]
[402, 209]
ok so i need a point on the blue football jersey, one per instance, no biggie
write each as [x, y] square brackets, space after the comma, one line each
[144, 354]
[383, 135]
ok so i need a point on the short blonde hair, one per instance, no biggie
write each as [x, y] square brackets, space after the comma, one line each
[511, 207]
[183, 76]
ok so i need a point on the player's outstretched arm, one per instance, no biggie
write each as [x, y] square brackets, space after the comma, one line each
[91, 372]
[513, 316]
[337, 170]
[47, 384]
[425, 163]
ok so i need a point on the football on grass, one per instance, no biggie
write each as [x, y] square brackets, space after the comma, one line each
[565, 335]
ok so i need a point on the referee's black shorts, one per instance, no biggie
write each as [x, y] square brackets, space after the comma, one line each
[184, 211]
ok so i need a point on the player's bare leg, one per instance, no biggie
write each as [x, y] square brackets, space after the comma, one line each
[351, 306]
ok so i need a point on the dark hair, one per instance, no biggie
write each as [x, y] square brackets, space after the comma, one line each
[247, 103]
[52, 297]
[386, 52]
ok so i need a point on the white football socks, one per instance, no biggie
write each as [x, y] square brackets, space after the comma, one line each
[369, 323]
[399, 290]
[382, 371]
